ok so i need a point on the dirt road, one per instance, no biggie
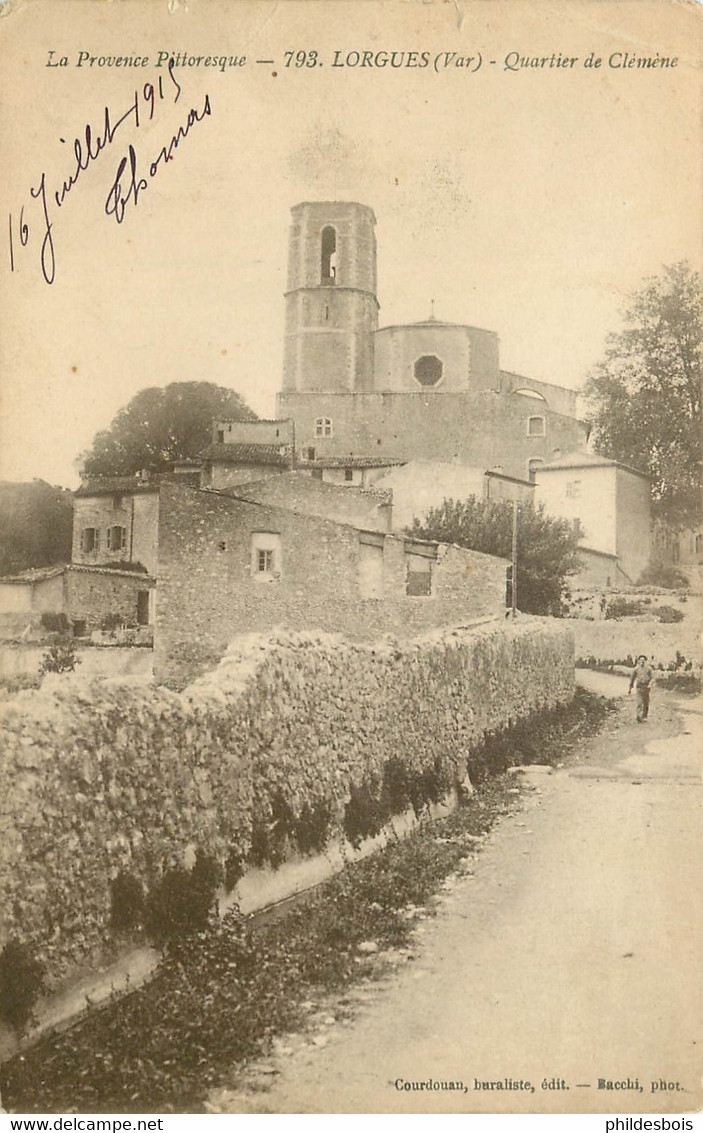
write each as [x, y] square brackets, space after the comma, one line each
[569, 959]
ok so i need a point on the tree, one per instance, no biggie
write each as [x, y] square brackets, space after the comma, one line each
[35, 526]
[645, 396]
[547, 548]
[161, 425]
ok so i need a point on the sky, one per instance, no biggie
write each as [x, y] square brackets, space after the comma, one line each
[531, 200]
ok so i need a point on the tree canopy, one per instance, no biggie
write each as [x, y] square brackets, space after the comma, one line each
[35, 526]
[645, 396]
[546, 547]
[161, 425]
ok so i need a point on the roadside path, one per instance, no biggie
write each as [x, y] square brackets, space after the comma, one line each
[571, 953]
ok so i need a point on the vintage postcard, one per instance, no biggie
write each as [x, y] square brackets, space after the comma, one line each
[279, 278]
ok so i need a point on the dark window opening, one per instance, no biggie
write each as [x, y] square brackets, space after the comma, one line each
[220, 436]
[116, 538]
[419, 583]
[117, 501]
[536, 427]
[143, 607]
[428, 370]
[311, 454]
[327, 313]
[90, 540]
[348, 473]
[329, 255]
[265, 561]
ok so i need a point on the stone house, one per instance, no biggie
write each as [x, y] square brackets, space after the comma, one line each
[115, 520]
[230, 565]
[366, 508]
[284, 550]
[275, 553]
[422, 484]
[86, 594]
[610, 504]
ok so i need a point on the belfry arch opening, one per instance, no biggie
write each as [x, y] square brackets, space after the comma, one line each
[328, 264]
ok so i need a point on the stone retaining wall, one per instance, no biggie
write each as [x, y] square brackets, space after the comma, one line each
[116, 776]
[615, 640]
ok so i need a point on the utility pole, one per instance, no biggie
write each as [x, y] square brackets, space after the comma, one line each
[516, 513]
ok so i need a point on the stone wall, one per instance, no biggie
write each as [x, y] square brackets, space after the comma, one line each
[92, 595]
[485, 429]
[367, 508]
[115, 777]
[137, 512]
[207, 592]
[614, 640]
[469, 356]
[104, 777]
[19, 659]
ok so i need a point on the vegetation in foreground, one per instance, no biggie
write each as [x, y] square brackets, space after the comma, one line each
[221, 995]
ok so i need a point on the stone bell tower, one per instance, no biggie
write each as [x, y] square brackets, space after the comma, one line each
[331, 304]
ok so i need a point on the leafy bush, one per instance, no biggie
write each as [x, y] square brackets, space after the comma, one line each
[183, 900]
[55, 623]
[669, 614]
[112, 622]
[126, 901]
[60, 657]
[125, 564]
[21, 983]
[11, 685]
[234, 869]
[666, 575]
[687, 683]
[374, 801]
[547, 547]
[364, 815]
[624, 608]
[279, 830]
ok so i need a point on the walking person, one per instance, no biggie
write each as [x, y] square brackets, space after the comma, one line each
[641, 679]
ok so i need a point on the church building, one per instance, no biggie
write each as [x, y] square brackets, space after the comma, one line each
[425, 391]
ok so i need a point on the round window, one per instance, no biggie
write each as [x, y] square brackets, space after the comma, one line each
[428, 370]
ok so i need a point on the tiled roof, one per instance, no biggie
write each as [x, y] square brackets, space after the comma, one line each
[248, 454]
[96, 568]
[41, 574]
[587, 460]
[253, 421]
[107, 485]
[433, 323]
[352, 462]
[35, 574]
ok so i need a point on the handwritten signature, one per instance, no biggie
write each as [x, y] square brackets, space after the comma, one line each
[87, 150]
[122, 193]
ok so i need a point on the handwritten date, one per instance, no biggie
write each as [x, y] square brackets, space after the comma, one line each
[88, 149]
